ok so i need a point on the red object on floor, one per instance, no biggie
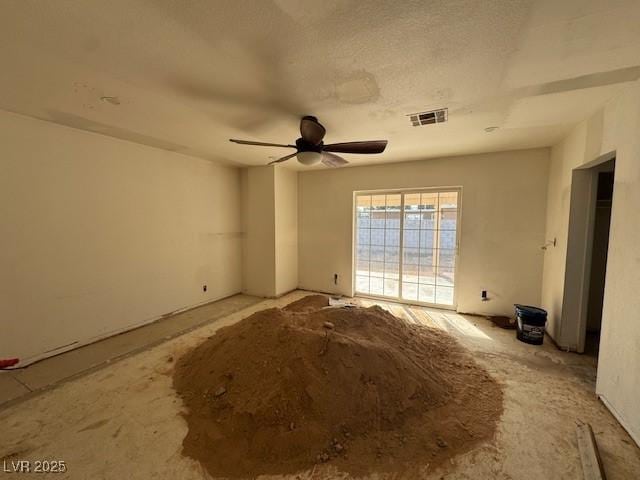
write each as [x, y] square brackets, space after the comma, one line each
[8, 362]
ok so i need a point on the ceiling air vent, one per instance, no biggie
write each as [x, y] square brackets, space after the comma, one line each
[426, 118]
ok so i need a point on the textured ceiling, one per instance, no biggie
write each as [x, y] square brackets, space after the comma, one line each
[190, 74]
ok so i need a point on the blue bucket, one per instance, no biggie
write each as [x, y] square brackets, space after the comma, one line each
[530, 324]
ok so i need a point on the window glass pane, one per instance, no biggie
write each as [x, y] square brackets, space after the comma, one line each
[411, 256]
[412, 220]
[392, 237]
[378, 202]
[447, 239]
[445, 277]
[444, 295]
[376, 254]
[363, 214]
[411, 238]
[362, 267]
[376, 269]
[427, 257]
[428, 220]
[446, 258]
[428, 238]
[377, 236]
[363, 236]
[377, 219]
[378, 209]
[448, 200]
[427, 275]
[448, 219]
[409, 291]
[363, 252]
[426, 293]
[410, 273]
[362, 284]
[393, 219]
[390, 287]
[437, 213]
[363, 202]
[393, 211]
[376, 286]
[363, 219]
[392, 255]
[392, 270]
[378, 206]
[411, 202]
[429, 202]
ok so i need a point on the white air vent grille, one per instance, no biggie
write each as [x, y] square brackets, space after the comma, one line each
[427, 118]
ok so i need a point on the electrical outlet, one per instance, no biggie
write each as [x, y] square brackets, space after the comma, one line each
[204, 288]
[335, 278]
[483, 294]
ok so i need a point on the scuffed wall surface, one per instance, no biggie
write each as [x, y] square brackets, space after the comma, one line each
[614, 128]
[286, 227]
[99, 235]
[502, 223]
[564, 158]
[258, 212]
[270, 225]
[618, 380]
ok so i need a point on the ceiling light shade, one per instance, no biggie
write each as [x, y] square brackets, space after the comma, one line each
[309, 158]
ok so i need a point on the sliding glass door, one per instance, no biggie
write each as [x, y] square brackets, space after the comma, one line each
[406, 245]
[378, 244]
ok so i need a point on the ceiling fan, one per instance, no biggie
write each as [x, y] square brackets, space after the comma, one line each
[310, 148]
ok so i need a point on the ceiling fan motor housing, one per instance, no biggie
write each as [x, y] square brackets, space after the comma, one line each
[304, 146]
[310, 148]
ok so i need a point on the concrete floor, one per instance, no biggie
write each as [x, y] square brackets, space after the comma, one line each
[123, 421]
[20, 383]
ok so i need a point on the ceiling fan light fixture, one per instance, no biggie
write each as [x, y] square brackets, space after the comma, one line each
[309, 158]
[310, 148]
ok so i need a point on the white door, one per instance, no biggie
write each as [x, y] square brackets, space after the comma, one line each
[406, 245]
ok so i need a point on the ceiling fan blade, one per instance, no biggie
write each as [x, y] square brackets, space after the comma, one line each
[311, 131]
[261, 144]
[331, 160]
[287, 157]
[372, 146]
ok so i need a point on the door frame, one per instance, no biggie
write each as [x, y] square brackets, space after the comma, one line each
[577, 279]
[403, 192]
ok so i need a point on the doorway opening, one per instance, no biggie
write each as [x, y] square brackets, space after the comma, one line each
[600, 247]
[592, 189]
[406, 245]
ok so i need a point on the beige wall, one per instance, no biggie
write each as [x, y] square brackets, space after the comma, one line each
[563, 157]
[286, 228]
[502, 223]
[570, 187]
[270, 225]
[615, 128]
[99, 235]
[258, 212]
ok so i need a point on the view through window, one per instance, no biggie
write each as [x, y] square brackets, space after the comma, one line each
[406, 245]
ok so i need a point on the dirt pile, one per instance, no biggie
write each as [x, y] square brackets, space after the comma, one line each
[358, 388]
